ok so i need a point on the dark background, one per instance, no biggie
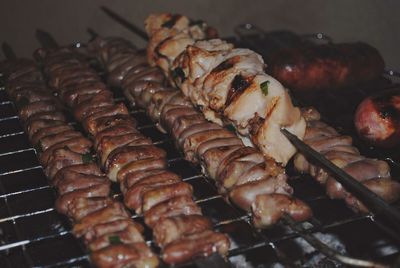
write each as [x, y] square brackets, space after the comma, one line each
[374, 21]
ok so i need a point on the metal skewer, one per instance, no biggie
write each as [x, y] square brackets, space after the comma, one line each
[8, 51]
[354, 186]
[125, 23]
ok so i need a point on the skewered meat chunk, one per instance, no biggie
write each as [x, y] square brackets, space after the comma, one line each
[82, 181]
[36, 107]
[181, 205]
[76, 170]
[171, 229]
[77, 144]
[109, 143]
[54, 128]
[38, 125]
[268, 209]
[199, 244]
[95, 190]
[110, 213]
[83, 206]
[61, 158]
[106, 122]
[245, 194]
[122, 156]
[126, 236]
[134, 167]
[52, 139]
[125, 255]
[149, 177]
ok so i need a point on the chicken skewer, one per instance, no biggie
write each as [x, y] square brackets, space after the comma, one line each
[140, 168]
[206, 65]
[83, 189]
[241, 172]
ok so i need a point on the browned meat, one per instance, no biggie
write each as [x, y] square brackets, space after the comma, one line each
[83, 206]
[53, 115]
[181, 205]
[37, 107]
[326, 66]
[377, 119]
[196, 245]
[125, 255]
[126, 236]
[110, 143]
[164, 192]
[269, 208]
[84, 106]
[245, 195]
[52, 139]
[111, 227]
[79, 145]
[95, 190]
[108, 214]
[116, 109]
[70, 95]
[76, 170]
[149, 177]
[82, 181]
[118, 160]
[105, 122]
[214, 156]
[114, 131]
[38, 125]
[56, 128]
[144, 165]
[61, 158]
[171, 229]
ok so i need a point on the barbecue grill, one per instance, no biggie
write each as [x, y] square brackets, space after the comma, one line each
[33, 234]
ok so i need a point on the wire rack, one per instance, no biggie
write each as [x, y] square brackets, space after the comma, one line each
[33, 234]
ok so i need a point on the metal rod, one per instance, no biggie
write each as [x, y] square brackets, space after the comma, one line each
[345, 179]
[124, 22]
[46, 39]
[9, 53]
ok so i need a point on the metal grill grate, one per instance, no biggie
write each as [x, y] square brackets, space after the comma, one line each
[33, 234]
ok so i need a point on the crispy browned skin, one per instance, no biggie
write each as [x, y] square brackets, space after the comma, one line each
[313, 67]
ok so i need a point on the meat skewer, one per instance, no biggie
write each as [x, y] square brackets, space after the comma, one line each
[82, 188]
[137, 165]
[241, 172]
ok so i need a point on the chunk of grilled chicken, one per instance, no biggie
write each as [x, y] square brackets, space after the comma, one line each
[118, 160]
[269, 208]
[171, 229]
[201, 244]
[181, 205]
[125, 255]
[115, 211]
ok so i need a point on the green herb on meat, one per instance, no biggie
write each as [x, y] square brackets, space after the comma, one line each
[264, 87]
[87, 158]
[114, 240]
[231, 127]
